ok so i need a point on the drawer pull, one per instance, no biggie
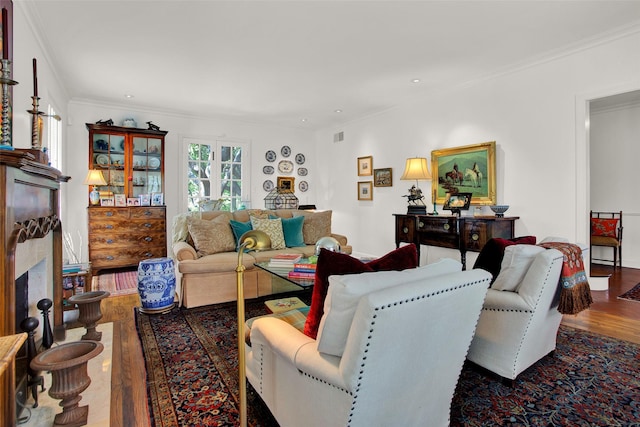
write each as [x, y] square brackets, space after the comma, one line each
[109, 241]
[420, 224]
[110, 257]
[148, 254]
[447, 226]
[148, 213]
[148, 225]
[405, 230]
[148, 239]
[108, 213]
[475, 236]
[108, 226]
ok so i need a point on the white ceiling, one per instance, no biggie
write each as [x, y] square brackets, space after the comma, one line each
[280, 62]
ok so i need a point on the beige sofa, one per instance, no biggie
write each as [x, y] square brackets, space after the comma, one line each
[209, 278]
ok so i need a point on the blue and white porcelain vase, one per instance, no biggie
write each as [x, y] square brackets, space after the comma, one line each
[156, 284]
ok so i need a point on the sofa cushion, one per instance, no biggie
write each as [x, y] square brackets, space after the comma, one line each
[292, 229]
[211, 236]
[604, 227]
[345, 292]
[315, 226]
[490, 257]
[335, 263]
[515, 264]
[273, 228]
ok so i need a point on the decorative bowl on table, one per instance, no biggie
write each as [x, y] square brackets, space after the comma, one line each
[499, 210]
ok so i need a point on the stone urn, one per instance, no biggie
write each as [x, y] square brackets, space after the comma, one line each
[68, 366]
[89, 305]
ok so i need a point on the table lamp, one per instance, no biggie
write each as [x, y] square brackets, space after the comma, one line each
[255, 240]
[416, 168]
[95, 178]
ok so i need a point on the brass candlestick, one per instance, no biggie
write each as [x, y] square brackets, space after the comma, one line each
[6, 119]
[36, 124]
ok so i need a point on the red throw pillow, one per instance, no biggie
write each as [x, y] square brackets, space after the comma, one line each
[604, 227]
[490, 257]
[334, 263]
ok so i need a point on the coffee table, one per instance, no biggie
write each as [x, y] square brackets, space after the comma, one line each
[280, 280]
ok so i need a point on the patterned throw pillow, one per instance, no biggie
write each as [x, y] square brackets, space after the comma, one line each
[273, 228]
[604, 227]
[211, 236]
[316, 225]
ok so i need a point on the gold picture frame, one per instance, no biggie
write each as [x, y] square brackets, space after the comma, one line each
[286, 183]
[365, 190]
[466, 169]
[365, 166]
[383, 177]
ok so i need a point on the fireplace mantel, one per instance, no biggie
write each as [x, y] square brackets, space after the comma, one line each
[29, 209]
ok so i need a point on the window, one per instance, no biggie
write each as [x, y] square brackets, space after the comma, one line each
[217, 170]
[54, 137]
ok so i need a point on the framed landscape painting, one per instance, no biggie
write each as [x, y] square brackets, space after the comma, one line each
[467, 169]
[382, 177]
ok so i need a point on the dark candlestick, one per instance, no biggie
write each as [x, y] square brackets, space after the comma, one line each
[5, 34]
[29, 325]
[47, 334]
[35, 78]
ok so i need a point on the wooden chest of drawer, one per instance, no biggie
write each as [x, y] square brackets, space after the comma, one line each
[124, 236]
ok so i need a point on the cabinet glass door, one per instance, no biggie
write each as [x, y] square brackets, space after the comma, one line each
[109, 157]
[146, 166]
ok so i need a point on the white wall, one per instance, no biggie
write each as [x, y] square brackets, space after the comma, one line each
[532, 114]
[261, 138]
[615, 150]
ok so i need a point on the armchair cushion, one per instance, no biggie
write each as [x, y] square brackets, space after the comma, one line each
[345, 292]
[490, 257]
[604, 227]
[211, 237]
[515, 264]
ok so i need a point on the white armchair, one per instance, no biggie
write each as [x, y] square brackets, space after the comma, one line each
[518, 328]
[403, 356]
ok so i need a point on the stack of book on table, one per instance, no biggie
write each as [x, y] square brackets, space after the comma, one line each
[284, 260]
[302, 270]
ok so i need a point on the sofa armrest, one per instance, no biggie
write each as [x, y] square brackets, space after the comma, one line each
[183, 251]
[504, 300]
[340, 238]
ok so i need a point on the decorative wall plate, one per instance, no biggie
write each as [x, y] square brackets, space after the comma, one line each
[268, 170]
[300, 159]
[285, 166]
[303, 186]
[270, 156]
[302, 171]
[102, 160]
[285, 151]
[267, 185]
[154, 163]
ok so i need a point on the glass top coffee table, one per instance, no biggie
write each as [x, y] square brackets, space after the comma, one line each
[281, 282]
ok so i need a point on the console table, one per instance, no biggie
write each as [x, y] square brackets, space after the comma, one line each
[462, 233]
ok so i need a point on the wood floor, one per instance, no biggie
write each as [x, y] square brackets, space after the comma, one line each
[607, 316]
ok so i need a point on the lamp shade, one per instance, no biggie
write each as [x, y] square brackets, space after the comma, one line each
[94, 177]
[416, 168]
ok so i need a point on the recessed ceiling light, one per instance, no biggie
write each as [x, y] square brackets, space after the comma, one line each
[303, 120]
[338, 110]
[128, 95]
[415, 81]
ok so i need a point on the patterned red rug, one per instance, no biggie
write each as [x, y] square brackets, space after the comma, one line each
[632, 295]
[120, 283]
[592, 380]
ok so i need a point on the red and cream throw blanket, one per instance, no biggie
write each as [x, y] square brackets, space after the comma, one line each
[575, 294]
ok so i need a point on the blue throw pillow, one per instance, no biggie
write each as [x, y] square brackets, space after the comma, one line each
[239, 228]
[292, 228]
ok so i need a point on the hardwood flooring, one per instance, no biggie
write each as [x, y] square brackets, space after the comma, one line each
[607, 316]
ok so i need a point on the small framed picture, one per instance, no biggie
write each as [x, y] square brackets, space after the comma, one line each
[133, 201]
[157, 199]
[365, 166]
[286, 183]
[382, 177]
[121, 200]
[106, 201]
[365, 190]
[145, 200]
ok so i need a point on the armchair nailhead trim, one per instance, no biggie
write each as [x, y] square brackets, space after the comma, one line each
[370, 336]
[324, 382]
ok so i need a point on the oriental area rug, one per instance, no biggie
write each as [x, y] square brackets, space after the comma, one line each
[190, 355]
[632, 294]
[120, 283]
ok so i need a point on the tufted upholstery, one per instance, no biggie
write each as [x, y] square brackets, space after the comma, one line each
[389, 373]
[518, 328]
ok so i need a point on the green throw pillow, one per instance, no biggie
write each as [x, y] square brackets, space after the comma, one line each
[239, 228]
[292, 228]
